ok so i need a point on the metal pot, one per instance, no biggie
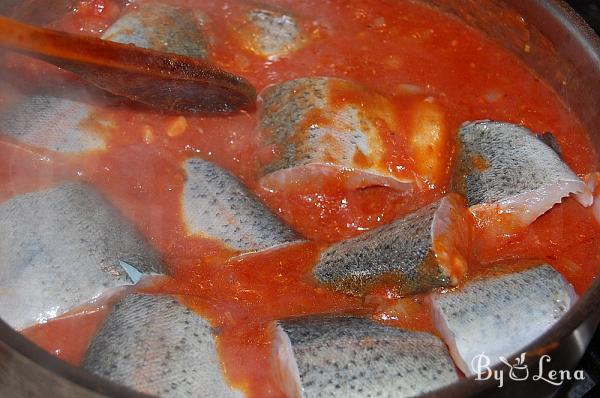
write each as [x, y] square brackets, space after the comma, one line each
[562, 49]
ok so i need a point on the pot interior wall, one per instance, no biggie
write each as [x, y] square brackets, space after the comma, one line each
[565, 55]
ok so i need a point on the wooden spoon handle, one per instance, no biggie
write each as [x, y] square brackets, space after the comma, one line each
[167, 81]
[60, 47]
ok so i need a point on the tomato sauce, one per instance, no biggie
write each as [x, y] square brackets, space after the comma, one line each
[406, 51]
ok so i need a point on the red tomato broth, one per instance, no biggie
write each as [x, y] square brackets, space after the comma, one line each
[567, 237]
[68, 336]
[382, 45]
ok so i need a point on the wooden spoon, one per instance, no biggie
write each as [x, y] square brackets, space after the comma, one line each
[166, 81]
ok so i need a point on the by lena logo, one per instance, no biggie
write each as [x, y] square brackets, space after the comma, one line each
[519, 371]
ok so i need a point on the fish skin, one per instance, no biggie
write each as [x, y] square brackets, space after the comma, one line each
[72, 127]
[156, 345]
[421, 251]
[550, 140]
[217, 205]
[60, 248]
[500, 315]
[163, 28]
[271, 32]
[53, 123]
[354, 357]
[284, 109]
[521, 173]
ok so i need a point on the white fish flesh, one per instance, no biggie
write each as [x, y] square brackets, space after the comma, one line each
[592, 181]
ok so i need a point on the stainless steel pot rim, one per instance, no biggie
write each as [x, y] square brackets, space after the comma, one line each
[588, 306]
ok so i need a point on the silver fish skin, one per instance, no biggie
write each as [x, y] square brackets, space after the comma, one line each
[217, 205]
[421, 251]
[162, 27]
[62, 247]
[155, 345]
[343, 134]
[353, 357]
[517, 171]
[500, 315]
[271, 32]
[72, 127]
[54, 123]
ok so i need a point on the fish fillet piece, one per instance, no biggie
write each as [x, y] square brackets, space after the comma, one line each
[270, 32]
[218, 205]
[353, 357]
[72, 127]
[163, 28]
[58, 124]
[510, 169]
[62, 247]
[155, 345]
[426, 249]
[500, 315]
[312, 129]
